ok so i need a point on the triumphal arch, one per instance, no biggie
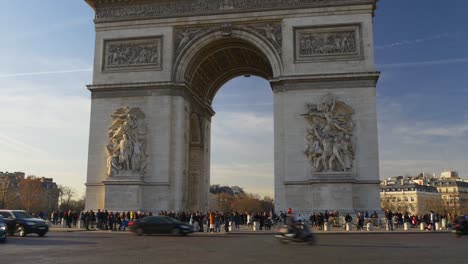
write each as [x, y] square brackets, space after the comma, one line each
[159, 64]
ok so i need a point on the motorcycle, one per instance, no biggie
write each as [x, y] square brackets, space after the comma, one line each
[302, 235]
[461, 226]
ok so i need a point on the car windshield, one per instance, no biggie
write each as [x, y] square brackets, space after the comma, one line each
[21, 214]
[170, 220]
[1, 219]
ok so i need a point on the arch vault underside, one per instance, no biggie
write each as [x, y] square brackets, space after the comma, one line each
[158, 66]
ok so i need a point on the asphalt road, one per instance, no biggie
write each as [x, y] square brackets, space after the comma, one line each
[105, 247]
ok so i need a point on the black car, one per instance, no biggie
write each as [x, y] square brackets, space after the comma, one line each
[3, 230]
[159, 225]
[21, 223]
[461, 226]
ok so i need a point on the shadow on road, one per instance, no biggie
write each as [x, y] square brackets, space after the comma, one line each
[44, 241]
[369, 246]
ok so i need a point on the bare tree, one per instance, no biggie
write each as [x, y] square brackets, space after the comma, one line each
[66, 195]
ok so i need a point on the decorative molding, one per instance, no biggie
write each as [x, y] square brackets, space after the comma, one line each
[330, 43]
[132, 54]
[121, 10]
[271, 31]
[321, 181]
[329, 148]
[330, 181]
[325, 81]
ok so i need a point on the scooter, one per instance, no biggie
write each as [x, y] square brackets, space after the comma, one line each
[286, 235]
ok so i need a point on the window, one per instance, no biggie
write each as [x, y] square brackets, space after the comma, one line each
[412, 198]
[406, 199]
[5, 214]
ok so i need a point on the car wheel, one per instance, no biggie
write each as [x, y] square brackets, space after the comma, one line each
[139, 231]
[20, 231]
[311, 241]
[175, 232]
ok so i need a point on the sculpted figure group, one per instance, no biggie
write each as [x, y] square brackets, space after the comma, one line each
[329, 146]
[126, 148]
[327, 43]
[132, 54]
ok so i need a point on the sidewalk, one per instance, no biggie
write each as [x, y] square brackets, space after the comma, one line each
[248, 231]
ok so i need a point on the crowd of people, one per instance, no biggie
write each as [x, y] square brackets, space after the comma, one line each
[398, 219]
[211, 221]
[215, 221]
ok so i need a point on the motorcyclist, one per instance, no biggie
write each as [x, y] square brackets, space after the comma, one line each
[293, 224]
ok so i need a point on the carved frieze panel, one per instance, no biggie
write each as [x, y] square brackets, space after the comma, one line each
[328, 43]
[330, 148]
[126, 148]
[132, 54]
[203, 7]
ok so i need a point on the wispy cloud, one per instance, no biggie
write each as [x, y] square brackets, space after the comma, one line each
[415, 41]
[242, 151]
[422, 63]
[394, 167]
[19, 146]
[247, 122]
[434, 130]
[50, 28]
[5, 75]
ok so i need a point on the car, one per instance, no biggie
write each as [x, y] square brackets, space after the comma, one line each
[159, 225]
[22, 223]
[3, 230]
[461, 226]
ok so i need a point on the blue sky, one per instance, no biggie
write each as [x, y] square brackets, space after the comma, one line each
[423, 118]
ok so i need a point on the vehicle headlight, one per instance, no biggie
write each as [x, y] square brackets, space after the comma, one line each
[3, 227]
[186, 227]
[31, 223]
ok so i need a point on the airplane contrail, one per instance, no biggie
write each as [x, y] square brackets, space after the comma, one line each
[43, 73]
[19, 145]
[414, 41]
[422, 63]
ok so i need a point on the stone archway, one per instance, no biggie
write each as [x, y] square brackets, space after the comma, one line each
[212, 56]
[159, 65]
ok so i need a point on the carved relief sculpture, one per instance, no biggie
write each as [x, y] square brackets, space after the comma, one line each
[329, 139]
[271, 31]
[127, 141]
[203, 7]
[132, 54]
[328, 43]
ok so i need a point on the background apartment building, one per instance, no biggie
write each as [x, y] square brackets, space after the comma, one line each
[421, 194]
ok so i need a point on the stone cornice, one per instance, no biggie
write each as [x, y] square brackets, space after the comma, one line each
[100, 91]
[331, 181]
[325, 81]
[124, 10]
